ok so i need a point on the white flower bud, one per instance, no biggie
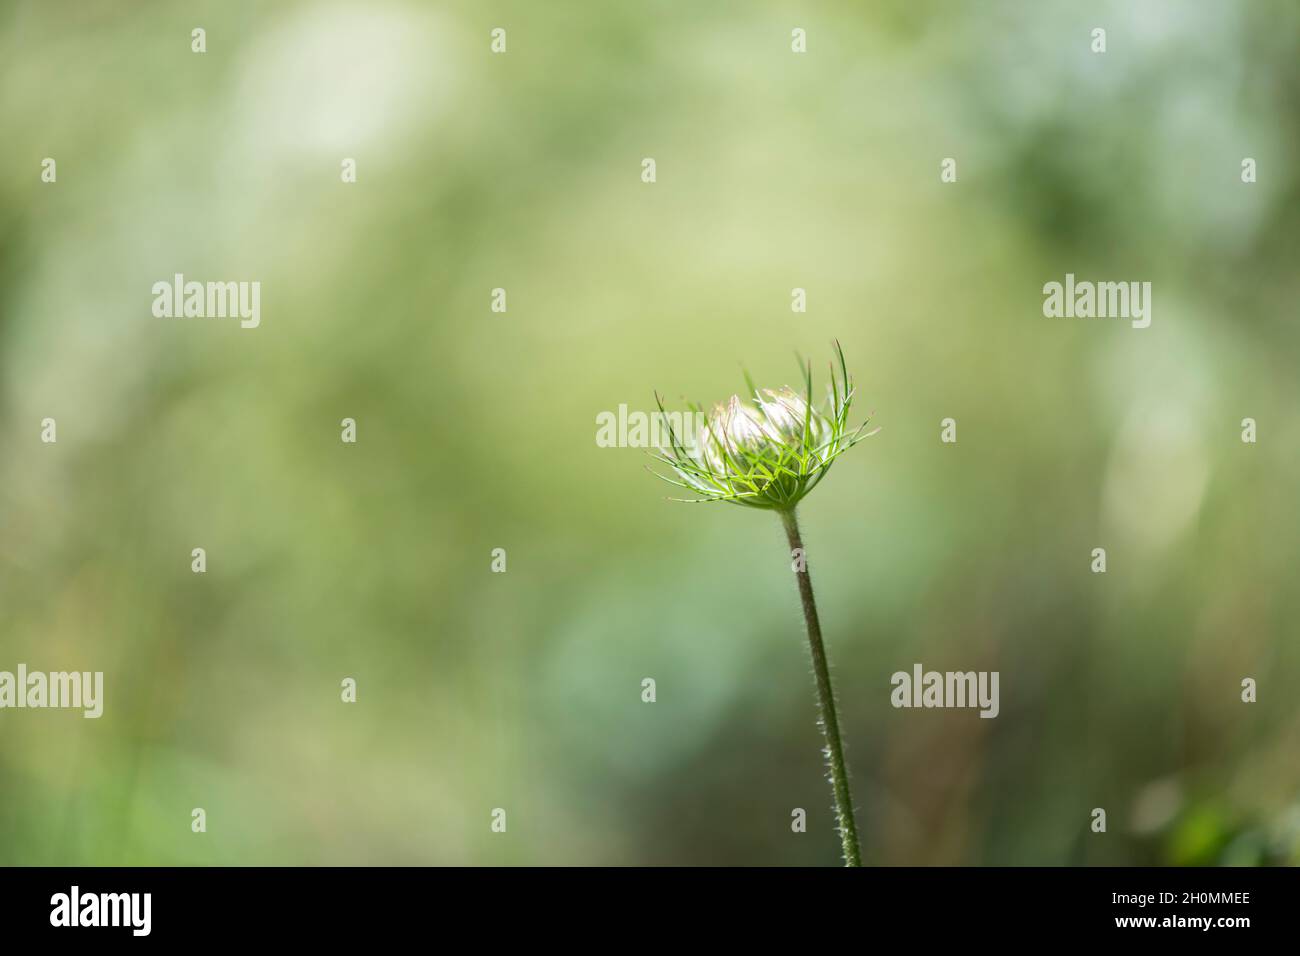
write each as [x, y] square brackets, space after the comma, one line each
[768, 452]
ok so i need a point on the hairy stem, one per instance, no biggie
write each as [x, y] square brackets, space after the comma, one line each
[826, 699]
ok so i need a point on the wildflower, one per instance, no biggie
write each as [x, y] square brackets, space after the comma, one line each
[769, 452]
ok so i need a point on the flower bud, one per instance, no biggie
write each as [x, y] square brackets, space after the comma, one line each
[768, 452]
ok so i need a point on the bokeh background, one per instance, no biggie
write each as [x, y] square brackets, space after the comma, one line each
[476, 430]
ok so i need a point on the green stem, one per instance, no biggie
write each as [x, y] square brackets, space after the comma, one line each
[826, 698]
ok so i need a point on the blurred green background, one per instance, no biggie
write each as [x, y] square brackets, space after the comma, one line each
[476, 430]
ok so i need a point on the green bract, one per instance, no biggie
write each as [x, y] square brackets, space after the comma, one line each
[769, 451]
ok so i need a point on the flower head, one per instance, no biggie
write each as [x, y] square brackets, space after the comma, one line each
[767, 451]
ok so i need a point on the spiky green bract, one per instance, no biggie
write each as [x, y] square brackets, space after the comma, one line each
[770, 451]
